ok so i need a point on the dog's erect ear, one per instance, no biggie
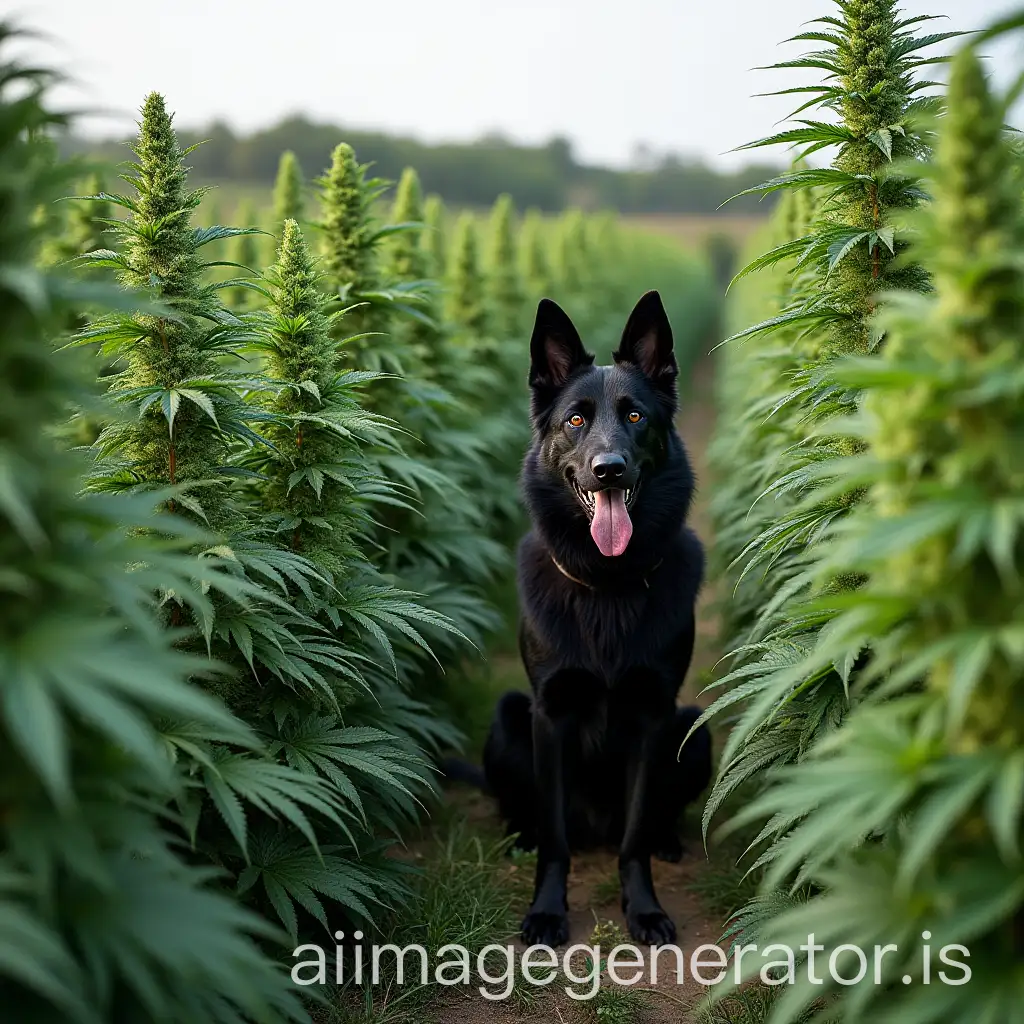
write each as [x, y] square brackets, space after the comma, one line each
[647, 343]
[555, 352]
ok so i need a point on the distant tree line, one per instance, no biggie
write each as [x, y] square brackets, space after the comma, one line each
[546, 176]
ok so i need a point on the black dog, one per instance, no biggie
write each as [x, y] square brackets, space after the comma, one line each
[608, 577]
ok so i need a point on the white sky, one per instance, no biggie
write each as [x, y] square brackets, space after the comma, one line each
[674, 74]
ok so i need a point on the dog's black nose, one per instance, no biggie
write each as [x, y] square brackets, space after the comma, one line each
[608, 467]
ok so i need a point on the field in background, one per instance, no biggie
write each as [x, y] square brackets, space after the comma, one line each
[695, 230]
[692, 230]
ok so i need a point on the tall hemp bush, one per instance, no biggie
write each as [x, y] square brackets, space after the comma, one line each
[439, 547]
[351, 242]
[101, 915]
[289, 191]
[245, 254]
[535, 256]
[854, 250]
[409, 262]
[930, 762]
[468, 309]
[434, 237]
[504, 284]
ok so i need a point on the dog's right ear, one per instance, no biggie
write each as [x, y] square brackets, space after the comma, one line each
[556, 352]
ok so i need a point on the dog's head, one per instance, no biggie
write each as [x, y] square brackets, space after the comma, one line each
[603, 433]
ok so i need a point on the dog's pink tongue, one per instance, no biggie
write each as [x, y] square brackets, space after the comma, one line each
[611, 528]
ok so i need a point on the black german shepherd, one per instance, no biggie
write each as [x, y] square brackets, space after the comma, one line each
[607, 578]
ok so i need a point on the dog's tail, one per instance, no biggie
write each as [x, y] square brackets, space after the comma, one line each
[456, 769]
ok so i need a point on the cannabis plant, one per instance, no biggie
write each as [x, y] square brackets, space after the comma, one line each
[409, 263]
[289, 191]
[351, 240]
[407, 258]
[536, 263]
[101, 917]
[186, 404]
[318, 489]
[855, 248]
[930, 763]
[504, 286]
[244, 256]
[434, 239]
[349, 245]
[467, 306]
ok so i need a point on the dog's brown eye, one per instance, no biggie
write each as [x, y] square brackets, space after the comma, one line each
[635, 417]
[575, 420]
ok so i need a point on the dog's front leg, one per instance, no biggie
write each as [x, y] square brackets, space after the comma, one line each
[646, 920]
[547, 921]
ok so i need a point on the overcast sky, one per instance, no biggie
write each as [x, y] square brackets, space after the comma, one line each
[673, 74]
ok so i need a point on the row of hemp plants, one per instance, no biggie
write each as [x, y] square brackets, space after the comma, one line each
[898, 818]
[104, 912]
[787, 481]
[249, 426]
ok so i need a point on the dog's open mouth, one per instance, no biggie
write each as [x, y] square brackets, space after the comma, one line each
[608, 511]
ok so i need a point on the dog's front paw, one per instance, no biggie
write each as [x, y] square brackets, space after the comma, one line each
[544, 928]
[651, 928]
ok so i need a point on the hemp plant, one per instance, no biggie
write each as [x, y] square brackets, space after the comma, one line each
[856, 246]
[434, 237]
[289, 191]
[467, 306]
[186, 404]
[351, 240]
[536, 264]
[935, 742]
[318, 490]
[409, 264]
[318, 482]
[504, 285]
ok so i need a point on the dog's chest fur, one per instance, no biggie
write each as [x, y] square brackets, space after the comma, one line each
[616, 635]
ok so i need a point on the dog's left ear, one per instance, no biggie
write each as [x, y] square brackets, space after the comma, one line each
[647, 344]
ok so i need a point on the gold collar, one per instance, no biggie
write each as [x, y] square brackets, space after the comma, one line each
[569, 576]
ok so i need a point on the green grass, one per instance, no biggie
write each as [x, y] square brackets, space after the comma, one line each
[606, 891]
[751, 1005]
[724, 885]
[468, 892]
[617, 1006]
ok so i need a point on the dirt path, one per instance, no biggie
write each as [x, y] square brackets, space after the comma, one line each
[593, 883]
